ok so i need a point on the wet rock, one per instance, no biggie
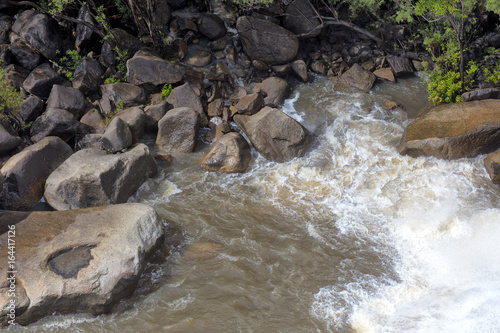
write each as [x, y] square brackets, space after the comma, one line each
[480, 94]
[124, 41]
[319, 67]
[54, 122]
[78, 261]
[31, 108]
[282, 70]
[178, 130]
[385, 74]
[114, 94]
[22, 53]
[266, 41]
[300, 69]
[452, 131]
[15, 75]
[301, 18]
[492, 165]
[184, 96]
[92, 177]
[87, 76]
[41, 80]
[359, 78]
[400, 66]
[275, 135]
[276, 89]
[8, 141]
[136, 121]
[390, 105]
[95, 120]
[199, 59]
[26, 172]
[117, 136]
[249, 104]
[229, 154]
[40, 31]
[154, 113]
[67, 98]
[219, 44]
[211, 26]
[146, 68]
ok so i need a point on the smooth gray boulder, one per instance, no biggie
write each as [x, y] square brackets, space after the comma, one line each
[480, 94]
[26, 172]
[67, 98]
[32, 108]
[178, 130]
[87, 76]
[300, 69]
[117, 136]
[92, 177]
[8, 141]
[154, 113]
[40, 81]
[120, 94]
[301, 19]
[275, 135]
[77, 261]
[184, 96]
[147, 68]
[229, 154]
[211, 26]
[54, 122]
[136, 121]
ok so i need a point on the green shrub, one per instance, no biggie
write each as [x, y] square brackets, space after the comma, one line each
[166, 90]
[10, 99]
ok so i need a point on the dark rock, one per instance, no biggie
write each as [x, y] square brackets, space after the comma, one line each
[229, 154]
[451, 131]
[40, 31]
[400, 66]
[184, 96]
[319, 67]
[5, 25]
[493, 39]
[124, 41]
[92, 177]
[177, 3]
[211, 26]
[67, 98]
[84, 33]
[54, 122]
[145, 68]
[162, 13]
[40, 81]
[154, 113]
[117, 136]
[87, 76]
[266, 41]
[114, 94]
[219, 44]
[95, 120]
[275, 135]
[276, 89]
[178, 130]
[22, 53]
[136, 121]
[15, 75]
[480, 94]
[31, 109]
[492, 164]
[25, 173]
[283, 70]
[301, 18]
[8, 141]
[359, 78]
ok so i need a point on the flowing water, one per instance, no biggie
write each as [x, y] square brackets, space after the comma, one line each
[352, 237]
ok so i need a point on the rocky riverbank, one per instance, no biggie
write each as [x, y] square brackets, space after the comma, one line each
[76, 141]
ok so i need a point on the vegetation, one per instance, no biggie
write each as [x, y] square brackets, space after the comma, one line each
[166, 90]
[10, 101]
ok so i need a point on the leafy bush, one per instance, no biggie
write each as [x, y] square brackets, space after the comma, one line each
[166, 90]
[10, 99]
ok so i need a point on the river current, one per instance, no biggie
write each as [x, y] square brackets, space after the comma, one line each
[353, 237]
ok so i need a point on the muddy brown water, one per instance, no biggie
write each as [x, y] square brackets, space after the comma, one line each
[352, 237]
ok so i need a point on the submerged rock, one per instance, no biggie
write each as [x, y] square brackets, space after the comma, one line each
[276, 90]
[92, 177]
[230, 153]
[492, 164]
[78, 261]
[359, 78]
[275, 135]
[451, 131]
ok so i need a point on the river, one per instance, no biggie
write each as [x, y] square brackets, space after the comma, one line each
[350, 238]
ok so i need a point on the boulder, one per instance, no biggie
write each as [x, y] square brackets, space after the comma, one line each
[400, 66]
[40, 31]
[211, 26]
[451, 131]
[249, 104]
[162, 13]
[41, 80]
[117, 136]
[299, 68]
[84, 33]
[319, 67]
[215, 108]
[184, 96]
[15, 75]
[177, 3]
[230, 153]
[154, 113]
[265, 41]
[92, 177]
[178, 130]
[87, 76]
[219, 44]
[54, 122]
[124, 41]
[22, 53]
[199, 59]
[480, 94]
[78, 261]
[8, 141]
[67, 98]
[25, 173]
[95, 120]
[301, 19]
[136, 121]
[492, 164]
[275, 135]
[120, 93]
[31, 108]
[276, 89]
[359, 78]
[385, 74]
[5, 26]
[147, 68]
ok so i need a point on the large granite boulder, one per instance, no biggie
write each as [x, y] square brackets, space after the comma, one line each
[276, 90]
[359, 78]
[67, 98]
[92, 177]
[77, 261]
[230, 153]
[32, 108]
[87, 76]
[301, 19]
[26, 172]
[249, 104]
[275, 135]
[146, 68]
[120, 93]
[22, 53]
[178, 130]
[266, 41]
[40, 81]
[451, 131]
[154, 113]
[9, 140]
[184, 96]
[400, 66]
[54, 122]
[117, 136]
[124, 41]
[211, 26]
[40, 31]
[136, 121]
